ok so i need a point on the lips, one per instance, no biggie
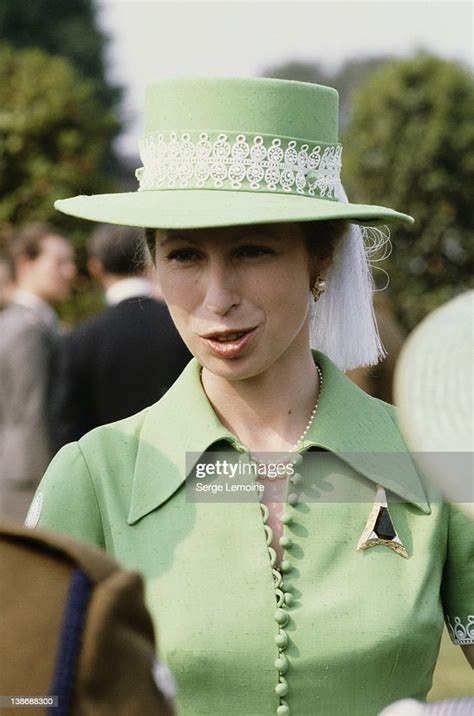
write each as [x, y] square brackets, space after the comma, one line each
[228, 344]
[230, 337]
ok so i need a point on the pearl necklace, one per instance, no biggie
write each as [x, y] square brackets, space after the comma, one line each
[289, 460]
[313, 413]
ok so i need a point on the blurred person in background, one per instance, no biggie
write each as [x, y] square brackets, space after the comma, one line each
[6, 282]
[43, 269]
[117, 363]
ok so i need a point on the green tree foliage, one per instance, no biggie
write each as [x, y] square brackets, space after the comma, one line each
[346, 79]
[58, 120]
[61, 28]
[67, 29]
[409, 145]
[53, 135]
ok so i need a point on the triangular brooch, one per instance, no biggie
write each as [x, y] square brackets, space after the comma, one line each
[379, 528]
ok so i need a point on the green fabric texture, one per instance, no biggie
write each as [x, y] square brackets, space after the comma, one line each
[281, 109]
[252, 105]
[194, 208]
[364, 627]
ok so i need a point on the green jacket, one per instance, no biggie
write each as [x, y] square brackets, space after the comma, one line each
[362, 626]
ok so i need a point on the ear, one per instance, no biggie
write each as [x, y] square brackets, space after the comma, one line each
[22, 262]
[318, 269]
[95, 268]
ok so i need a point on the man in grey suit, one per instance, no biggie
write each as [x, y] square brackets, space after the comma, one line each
[43, 268]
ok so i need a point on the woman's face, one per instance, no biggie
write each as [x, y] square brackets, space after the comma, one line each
[238, 295]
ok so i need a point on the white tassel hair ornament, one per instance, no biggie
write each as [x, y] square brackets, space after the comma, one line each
[342, 321]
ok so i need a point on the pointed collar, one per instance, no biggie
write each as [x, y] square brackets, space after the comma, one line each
[363, 432]
[183, 421]
[348, 422]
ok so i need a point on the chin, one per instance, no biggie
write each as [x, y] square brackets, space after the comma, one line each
[240, 368]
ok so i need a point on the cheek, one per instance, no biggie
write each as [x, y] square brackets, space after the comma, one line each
[181, 295]
[49, 272]
[175, 287]
[286, 298]
[291, 313]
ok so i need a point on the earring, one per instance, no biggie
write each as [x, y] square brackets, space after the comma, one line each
[318, 288]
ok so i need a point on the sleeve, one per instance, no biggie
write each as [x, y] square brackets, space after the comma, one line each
[66, 500]
[458, 578]
[72, 416]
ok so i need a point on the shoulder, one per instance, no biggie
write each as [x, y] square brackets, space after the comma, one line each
[87, 327]
[84, 337]
[22, 333]
[104, 453]
[87, 479]
[18, 320]
[143, 308]
[113, 440]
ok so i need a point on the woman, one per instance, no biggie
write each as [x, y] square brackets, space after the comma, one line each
[313, 596]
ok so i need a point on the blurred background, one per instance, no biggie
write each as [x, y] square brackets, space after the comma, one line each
[72, 76]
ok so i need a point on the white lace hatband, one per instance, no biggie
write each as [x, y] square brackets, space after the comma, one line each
[206, 160]
[460, 634]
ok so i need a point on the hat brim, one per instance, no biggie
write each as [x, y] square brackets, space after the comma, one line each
[433, 388]
[205, 208]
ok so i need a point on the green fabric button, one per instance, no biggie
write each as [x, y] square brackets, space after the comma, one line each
[285, 542]
[292, 499]
[296, 478]
[281, 639]
[289, 599]
[283, 710]
[286, 566]
[286, 518]
[281, 617]
[281, 689]
[281, 663]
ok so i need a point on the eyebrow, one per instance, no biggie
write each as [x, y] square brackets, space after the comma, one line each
[266, 229]
[169, 239]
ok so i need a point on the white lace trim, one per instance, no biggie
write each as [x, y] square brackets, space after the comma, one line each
[238, 161]
[460, 634]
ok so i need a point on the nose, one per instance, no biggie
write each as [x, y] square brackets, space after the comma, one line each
[221, 289]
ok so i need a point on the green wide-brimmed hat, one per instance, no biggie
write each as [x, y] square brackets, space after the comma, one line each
[223, 152]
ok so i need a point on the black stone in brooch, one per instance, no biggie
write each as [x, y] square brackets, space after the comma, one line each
[383, 527]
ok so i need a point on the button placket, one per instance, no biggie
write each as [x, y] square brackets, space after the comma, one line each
[284, 597]
[281, 617]
[286, 567]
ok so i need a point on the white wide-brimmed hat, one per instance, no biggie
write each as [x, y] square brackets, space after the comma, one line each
[434, 391]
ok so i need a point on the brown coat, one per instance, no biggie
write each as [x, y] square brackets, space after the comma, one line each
[113, 675]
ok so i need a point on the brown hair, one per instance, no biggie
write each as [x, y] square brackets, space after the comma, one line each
[120, 250]
[321, 238]
[28, 240]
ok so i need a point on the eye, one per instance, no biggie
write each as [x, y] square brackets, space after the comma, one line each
[183, 255]
[253, 251]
